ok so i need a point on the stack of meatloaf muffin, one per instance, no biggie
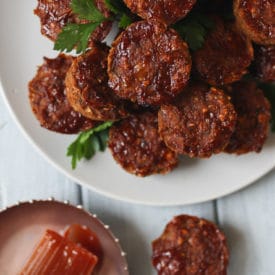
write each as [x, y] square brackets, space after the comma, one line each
[165, 99]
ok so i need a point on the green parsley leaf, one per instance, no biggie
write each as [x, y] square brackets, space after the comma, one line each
[194, 28]
[86, 9]
[88, 143]
[75, 35]
[269, 91]
[121, 11]
[124, 21]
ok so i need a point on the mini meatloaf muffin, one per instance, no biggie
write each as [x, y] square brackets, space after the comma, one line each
[225, 55]
[166, 11]
[200, 123]
[148, 63]
[253, 116]
[55, 14]
[136, 145]
[256, 19]
[190, 246]
[265, 63]
[87, 86]
[48, 98]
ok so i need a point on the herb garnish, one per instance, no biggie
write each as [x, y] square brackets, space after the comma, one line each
[77, 35]
[121, 11]
[88, 143]
[194, 28]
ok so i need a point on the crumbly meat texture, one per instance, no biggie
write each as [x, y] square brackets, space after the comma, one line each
[200, 123]
[87, 87]
[225, 55]
[166, 11]
[48, 99]
[190, 246]
[253, 116]
[265, 63]
[256, 19]
[138, 148]
[55, 14]
[148, 63]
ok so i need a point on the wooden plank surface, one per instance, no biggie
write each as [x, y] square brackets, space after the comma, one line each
[24, 174]
[248, 219]
[136, 225]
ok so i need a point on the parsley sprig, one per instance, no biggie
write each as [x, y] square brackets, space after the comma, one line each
[194, 28]
[88, 143]
[121, 11]
[87, 10]
[77, 35]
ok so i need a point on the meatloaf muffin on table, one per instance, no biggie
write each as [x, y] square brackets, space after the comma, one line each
[190, 246]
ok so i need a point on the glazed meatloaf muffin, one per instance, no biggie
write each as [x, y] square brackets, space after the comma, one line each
[166, 11]
[265, 63]
[55, 14]
[87, 87]
[148, 63]
[225, 55]
[138, 148]
[253, 116]
[190, 246]
[48, 99]
[200, 123]
[256, 19]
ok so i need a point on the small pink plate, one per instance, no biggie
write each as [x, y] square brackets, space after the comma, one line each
[22, 226]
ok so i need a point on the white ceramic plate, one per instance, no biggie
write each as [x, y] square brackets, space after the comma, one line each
[22, 49]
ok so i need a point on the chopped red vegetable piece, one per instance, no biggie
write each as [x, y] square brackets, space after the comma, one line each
[57, 255]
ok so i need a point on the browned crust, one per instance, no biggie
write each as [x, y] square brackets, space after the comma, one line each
[265, 63]
[138, 148]
[87, 87]
[55, 14]
[166, 11]
[148, 63]
[225, 55]
[256, 19]
[48, 99]
[253, 116]
[190, 246]
[200, 123]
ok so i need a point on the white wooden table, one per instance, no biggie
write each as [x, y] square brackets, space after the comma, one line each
[247, 217]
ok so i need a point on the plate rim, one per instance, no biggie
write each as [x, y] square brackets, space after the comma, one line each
[73, 178]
